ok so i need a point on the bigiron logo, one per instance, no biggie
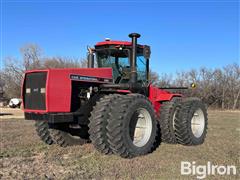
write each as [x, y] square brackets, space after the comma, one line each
[202, 171]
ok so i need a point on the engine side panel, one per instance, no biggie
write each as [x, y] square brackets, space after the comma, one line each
[59, 86]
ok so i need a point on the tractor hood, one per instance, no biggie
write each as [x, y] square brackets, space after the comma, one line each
[50, 90]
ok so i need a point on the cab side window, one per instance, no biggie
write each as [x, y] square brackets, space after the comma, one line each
[141, 68]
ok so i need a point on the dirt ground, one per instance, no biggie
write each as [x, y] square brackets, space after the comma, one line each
[24, 156]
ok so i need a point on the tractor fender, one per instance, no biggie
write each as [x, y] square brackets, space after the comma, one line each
[167, 97]
[156, 96]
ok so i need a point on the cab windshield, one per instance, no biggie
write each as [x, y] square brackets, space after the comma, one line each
[119, 61]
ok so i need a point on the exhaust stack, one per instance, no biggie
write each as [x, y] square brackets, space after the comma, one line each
[133, 59]
[90, 58]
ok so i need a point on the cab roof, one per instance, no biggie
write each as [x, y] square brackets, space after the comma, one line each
[124, 43]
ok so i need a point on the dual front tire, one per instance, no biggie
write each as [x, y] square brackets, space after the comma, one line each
[126, 126]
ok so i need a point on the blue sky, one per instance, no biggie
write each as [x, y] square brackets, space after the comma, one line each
[182, 34]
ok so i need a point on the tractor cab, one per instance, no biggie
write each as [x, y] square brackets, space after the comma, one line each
[119, 56]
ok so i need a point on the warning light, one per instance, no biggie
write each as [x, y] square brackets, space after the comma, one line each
[193, 85]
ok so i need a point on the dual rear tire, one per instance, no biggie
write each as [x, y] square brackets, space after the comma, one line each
[191, 122]
[167, 116]
[183, 121]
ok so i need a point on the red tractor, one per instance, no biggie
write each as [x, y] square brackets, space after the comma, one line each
[114, 105]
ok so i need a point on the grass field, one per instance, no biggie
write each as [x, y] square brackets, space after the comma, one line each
[24, 156]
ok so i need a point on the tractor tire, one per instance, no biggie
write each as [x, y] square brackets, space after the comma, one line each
[85, 111]
[42, 129]
[99, 121]
[191, 122]
[168, 111]
[133, 111]
[64, 136]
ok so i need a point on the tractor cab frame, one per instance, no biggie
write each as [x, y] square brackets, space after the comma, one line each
[129, 62]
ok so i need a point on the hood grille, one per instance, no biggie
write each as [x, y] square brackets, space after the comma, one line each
[34, 92]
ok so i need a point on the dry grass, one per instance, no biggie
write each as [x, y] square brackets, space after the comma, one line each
[24, 156]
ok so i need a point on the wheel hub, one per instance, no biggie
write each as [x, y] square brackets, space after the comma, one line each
[198, 123]
[140, 127]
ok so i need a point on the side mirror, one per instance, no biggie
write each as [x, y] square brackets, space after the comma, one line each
[146, 52]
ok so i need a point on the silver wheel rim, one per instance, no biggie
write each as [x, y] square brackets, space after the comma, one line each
[143, 128]
[198, 123]
[173, 119]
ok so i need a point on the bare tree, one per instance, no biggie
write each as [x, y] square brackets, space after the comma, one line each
[154, 77]
[32, 58]
[2, 84]
[165, 80]
[60, 62]
[219, 88]
[232, 73]
[31, 54]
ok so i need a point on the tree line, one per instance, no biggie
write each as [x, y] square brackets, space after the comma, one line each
[32, 58]
[218, 88]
